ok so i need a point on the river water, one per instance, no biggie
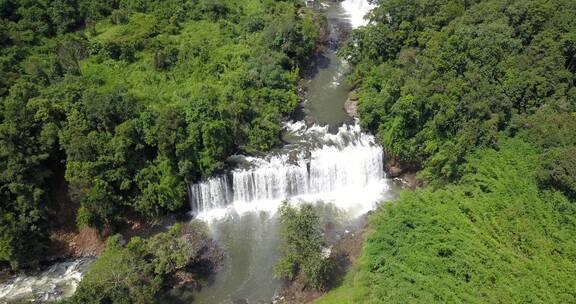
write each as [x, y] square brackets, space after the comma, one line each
[56, 282]
[330, 163]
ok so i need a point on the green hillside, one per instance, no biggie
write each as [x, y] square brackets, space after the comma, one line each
[129, 101]
[492, 238]
[481, 97]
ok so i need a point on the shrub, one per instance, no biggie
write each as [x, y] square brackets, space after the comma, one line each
[559, 171]
[136, 272]
[302, 245]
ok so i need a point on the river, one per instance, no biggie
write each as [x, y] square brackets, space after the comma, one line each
[330, 163]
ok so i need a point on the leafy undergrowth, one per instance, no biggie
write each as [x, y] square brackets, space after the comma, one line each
[494, 237]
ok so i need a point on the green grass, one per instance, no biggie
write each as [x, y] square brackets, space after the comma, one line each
[138, 28]
[184, 78]
[492, 238]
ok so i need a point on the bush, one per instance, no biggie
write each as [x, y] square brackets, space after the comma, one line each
[302, 245]
[135, 272]
[119, 17]
[559, 171]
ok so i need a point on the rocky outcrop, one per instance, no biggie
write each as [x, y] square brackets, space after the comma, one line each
[394, 168]
[406, 174]
[351, 105]
[206, 258]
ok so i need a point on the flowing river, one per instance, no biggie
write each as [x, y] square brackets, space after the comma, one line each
[326, 160]
[329, 162]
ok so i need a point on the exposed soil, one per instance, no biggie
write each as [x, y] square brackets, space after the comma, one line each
[66, 240]
[77, 243]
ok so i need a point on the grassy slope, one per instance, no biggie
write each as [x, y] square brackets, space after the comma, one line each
[493, 238]
[184, 79]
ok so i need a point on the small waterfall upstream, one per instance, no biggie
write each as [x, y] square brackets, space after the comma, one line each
[357, 9]
[345, 168]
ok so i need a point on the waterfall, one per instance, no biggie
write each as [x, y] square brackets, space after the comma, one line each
[345, 167]
[213, 193]
[357, 9]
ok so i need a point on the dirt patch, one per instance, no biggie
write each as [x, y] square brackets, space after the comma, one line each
[85, 242]
[66, 240]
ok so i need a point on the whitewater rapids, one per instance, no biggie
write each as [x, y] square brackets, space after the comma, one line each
[345, 169]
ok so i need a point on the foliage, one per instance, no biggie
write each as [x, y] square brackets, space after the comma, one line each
[560, 171]
[439, 78]
[302, 246]
[481, 95]
[135, 272]
[136, 99]
[493, 237]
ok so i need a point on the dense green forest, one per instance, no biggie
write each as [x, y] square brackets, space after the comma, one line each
[111, 108]
[439, 78]
[481, 96]
[129, 101]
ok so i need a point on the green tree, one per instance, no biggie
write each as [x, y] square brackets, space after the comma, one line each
[302, 247]
[136, 272]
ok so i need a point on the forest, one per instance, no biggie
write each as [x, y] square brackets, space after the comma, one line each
[110, 109]
[126, 102]
[480, 97]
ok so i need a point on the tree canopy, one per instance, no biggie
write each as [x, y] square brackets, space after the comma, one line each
[439, 78]
[481, 96]
[134, 100]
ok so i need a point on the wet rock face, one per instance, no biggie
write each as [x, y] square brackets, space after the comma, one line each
[207, 257]
[395, 171]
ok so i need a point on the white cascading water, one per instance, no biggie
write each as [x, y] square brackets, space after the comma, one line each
[345, 168]
[357, 9]
[58, 281]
